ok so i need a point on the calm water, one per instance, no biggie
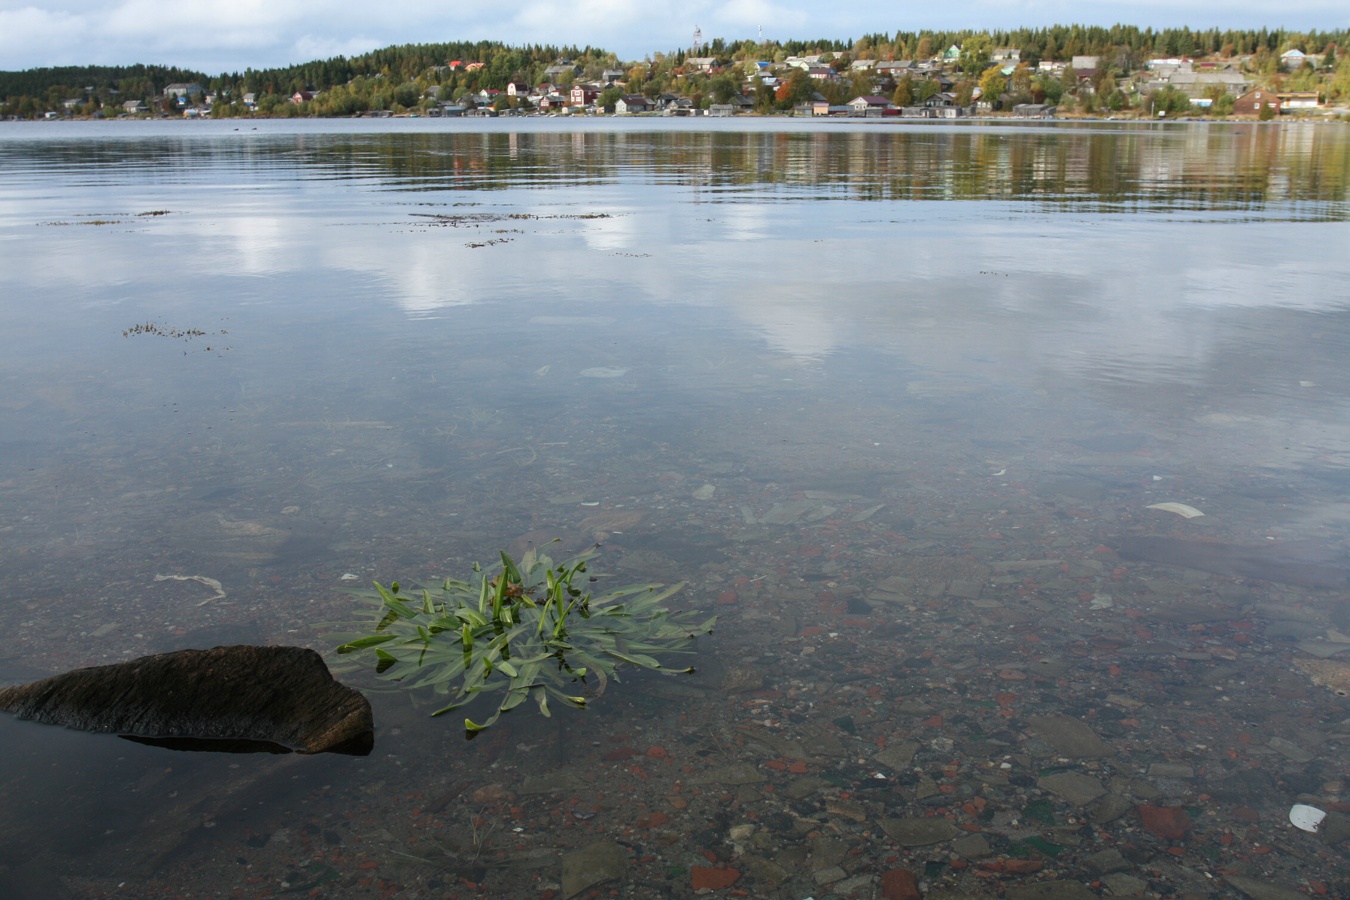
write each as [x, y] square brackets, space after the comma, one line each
[890, 398]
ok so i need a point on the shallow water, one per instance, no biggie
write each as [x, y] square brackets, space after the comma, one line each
[933, 375]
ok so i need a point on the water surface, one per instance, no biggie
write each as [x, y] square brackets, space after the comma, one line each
[889, 397]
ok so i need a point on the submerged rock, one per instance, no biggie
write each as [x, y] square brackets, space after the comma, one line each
[243, 698]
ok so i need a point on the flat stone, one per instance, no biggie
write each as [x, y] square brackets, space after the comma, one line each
[733, 774]
[1110, 808]
[1167, 822]
[765, 870]
[1290, 749]
[898, 756]
[1105, 862]
[1075, 787]
[1260, 889]
[1070, 737]
[919, 832]
[594, 864]
[740, 679]
[972, 846]
[827, 852]
[801, 788]
[900, 884]
[1121, 885]
[829, 875]
[854, 887]
[1051, 890]
[227, 698]
[548, 784]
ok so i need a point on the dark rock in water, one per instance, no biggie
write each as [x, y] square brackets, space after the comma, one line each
[1297, 564]
[241, 698]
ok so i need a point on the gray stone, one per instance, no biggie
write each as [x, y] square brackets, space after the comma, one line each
[801, 788]
[1051, 890]
[898, 756]
[972, 846]
[1290, 749]
[765, 870]
[591, 865]
[829, 875]
[919, 832]
[827, 852]
[733, 774]
[1260, 889]
[857, 886]
[1120, 885]
[1075, 787]
[1070, 737]
[1110, 808]
[1170, 770]
[1105, 862]
[228, 698]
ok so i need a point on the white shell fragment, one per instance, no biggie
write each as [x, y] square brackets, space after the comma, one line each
[1307, 818]
[1181, 509]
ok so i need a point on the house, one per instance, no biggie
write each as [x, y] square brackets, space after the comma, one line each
[184, 93]
[703, 64]
[1199, 84]
[1294, 100]
[1006, 54]
[517, 89]
[1250, 103]
[822, 73]
[564, 68]
[609, 76]
[303, 96]
[868, 105]
[1034, 111]
[581, 95]
[631, 103]
[250, 100]
[135, 107]
[894, 68]
[1293, 59]
[951, 54]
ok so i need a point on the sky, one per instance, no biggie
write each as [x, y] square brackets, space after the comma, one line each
[216, 37]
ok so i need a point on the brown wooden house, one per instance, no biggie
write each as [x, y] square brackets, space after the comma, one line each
[1250, 103]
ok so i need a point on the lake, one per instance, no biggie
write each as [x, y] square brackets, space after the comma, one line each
[1013, 459]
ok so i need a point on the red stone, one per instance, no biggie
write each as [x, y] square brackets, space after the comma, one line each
[714, 879]
[1023, 866]
[657, 752]
[1167, 822]
[900, 884]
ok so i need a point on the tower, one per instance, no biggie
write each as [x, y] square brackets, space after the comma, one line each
[698, 40]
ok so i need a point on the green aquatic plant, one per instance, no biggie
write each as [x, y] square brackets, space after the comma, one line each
[523, 631]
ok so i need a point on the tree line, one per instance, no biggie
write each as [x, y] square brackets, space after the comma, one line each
[400, 77]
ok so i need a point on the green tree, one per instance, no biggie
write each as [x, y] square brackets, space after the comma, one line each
[904, 91]
[992, 86]
[976, 51]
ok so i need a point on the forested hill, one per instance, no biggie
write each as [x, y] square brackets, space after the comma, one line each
[501, 63]
[399, 77]
[135, 80]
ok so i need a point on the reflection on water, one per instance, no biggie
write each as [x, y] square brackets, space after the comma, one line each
[905, 448]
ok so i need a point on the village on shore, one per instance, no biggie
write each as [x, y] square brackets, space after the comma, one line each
[970, 78]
